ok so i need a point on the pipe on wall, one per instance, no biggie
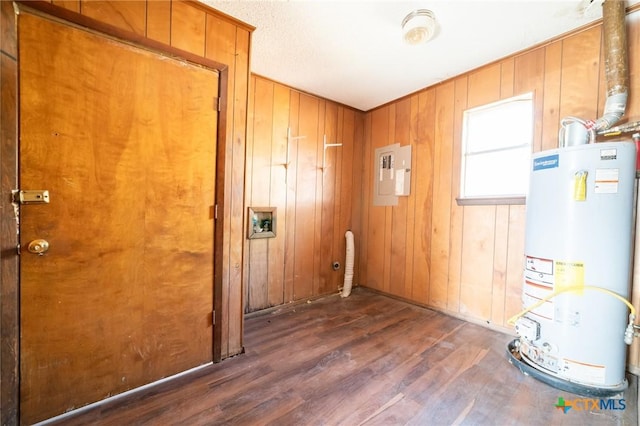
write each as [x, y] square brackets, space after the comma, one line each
[616, 63]
[574, 131]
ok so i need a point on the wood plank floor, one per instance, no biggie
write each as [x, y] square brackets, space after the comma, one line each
[367, 359]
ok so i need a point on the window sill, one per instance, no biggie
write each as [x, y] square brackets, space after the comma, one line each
[491, 201]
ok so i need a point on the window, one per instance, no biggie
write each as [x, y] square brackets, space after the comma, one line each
[496, 149]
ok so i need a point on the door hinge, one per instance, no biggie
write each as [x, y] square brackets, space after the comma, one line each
[213, 317]
[217, 102]
[215, 212]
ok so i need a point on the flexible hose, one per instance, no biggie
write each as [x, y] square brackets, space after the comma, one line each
[348, 267]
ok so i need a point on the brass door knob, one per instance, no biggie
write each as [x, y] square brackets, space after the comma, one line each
[38, 246]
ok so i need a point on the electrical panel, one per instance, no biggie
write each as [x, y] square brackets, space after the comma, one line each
[392, 174]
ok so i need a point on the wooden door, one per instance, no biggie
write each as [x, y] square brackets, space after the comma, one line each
[124, 140]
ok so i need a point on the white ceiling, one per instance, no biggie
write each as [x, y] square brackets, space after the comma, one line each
[352, 52]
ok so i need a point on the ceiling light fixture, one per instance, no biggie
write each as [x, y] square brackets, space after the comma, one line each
[418, 26]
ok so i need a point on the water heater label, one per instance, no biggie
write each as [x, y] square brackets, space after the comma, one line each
[606, 181]
[546, 162]
[583, 372]
[608, 154]
[569, 274]
[538, 284]
[536, 264]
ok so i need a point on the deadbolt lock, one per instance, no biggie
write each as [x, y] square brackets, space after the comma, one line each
[38, 246]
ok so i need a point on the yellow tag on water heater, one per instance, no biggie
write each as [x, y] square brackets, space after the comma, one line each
[580, 186]
[569, 275]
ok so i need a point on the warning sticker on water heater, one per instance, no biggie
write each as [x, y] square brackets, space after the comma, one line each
[583, 372]
[608, 154]
[606, 181]
[569, 274]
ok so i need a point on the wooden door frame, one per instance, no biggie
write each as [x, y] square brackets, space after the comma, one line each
[9, 136]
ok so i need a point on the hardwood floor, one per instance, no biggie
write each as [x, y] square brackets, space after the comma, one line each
[367, 359]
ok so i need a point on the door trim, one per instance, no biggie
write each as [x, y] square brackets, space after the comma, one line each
[9, 259]
[9, 302]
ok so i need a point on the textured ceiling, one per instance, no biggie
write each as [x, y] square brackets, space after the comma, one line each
[352, 51]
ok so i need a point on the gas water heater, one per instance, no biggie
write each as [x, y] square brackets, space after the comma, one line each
[578, 250]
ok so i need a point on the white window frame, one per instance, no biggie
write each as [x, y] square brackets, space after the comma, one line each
[514, 138]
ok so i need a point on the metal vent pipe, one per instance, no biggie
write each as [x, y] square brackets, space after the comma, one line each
[616, 63]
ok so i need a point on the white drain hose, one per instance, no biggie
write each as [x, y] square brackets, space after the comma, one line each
[348, 266]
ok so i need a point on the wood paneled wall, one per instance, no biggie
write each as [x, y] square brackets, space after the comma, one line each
[633, 108]
[468, 260]
[315, 205]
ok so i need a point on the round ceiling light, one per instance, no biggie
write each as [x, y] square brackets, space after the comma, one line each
[418, 26]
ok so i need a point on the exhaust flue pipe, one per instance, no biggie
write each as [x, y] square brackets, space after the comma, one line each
[616, 63]
[576, 131]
